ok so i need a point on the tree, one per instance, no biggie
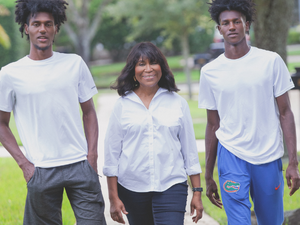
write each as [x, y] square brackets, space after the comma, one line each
[4, 38]
[272, 23]
[84, 18]
[176, 19]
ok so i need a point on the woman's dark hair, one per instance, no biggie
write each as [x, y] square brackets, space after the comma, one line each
[246, 7]
[125, 81]
[25, 9]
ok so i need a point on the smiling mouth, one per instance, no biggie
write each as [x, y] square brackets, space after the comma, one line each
[148, 76]
[42, 38]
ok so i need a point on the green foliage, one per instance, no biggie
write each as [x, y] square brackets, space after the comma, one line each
[8, 3]
[293, 37]
[174, 18]
[16, 50]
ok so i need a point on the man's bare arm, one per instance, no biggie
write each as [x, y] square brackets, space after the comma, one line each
[289, 132]
[9, 142]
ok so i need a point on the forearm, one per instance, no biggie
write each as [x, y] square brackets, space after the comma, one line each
[211, 146]
[289, 132]
[10, 144]
[91, 132]
[195, 180]
[112, 183]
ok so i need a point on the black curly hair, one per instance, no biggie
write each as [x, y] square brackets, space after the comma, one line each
[246, 7]
[25, 9]
[147, 50]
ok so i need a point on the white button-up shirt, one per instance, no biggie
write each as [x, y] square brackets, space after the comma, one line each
[151, 149]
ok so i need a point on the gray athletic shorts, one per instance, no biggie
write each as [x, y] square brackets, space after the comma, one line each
[45, 192]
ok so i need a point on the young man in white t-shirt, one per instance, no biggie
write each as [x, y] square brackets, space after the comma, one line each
[44, 90]
[248, 113]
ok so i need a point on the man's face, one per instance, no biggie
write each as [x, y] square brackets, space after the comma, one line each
[233, 27]
[41, 30]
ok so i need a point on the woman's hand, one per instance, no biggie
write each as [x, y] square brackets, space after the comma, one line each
[196, 204]
[116, 209]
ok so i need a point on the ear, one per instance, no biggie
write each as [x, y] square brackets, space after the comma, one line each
[26, 28]
[55, 29]
[247, 24]
[219, 29]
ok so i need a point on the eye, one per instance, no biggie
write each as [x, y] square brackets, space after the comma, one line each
[49, 25]
[35, 24]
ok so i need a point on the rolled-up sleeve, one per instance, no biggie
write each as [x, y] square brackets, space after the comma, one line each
[188, 142]
[112, 146]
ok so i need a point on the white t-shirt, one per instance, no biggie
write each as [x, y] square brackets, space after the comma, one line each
[243, 91]
[151, 149]
[44, 96]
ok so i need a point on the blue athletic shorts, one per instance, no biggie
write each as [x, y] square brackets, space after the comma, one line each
[264, 182]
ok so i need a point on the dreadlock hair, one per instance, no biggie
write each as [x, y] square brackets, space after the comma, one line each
[246, 7]
[25, 9]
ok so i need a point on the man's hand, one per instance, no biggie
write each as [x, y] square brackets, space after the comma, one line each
[293, 178]
[116, 209]
[28, 170]
[196, 204]
[212, 193]
[92, 159]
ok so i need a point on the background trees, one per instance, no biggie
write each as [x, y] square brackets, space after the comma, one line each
[4, 38]
[175, 18]
[84, 19]
[272, 23]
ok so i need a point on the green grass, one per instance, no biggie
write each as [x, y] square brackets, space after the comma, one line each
[199, 119]
[289, 203]
[13, 195]
[293, 52]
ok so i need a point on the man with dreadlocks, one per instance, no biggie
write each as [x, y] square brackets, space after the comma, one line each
[44, 90]
[248, 112]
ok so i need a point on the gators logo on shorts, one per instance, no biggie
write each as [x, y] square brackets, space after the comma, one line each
[231, 186]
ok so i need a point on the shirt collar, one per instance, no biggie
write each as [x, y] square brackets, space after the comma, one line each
[132, 96]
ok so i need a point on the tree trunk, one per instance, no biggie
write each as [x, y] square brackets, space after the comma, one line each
[186, 54]
[271, 25]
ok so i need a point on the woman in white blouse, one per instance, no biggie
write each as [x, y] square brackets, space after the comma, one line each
[150, 145]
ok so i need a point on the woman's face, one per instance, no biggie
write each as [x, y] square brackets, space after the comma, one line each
[147, 74]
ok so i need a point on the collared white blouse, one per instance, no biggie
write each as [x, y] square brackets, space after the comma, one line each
[151, 149]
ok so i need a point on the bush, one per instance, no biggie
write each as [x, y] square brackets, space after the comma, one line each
[293, 37]
[16, 50]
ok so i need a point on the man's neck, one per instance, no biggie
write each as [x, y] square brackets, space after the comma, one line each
[236, 51]
[40, 54]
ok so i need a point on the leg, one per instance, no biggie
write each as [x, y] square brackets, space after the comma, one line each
[44, 198]
[138, 205]
[84, 192]
[169, 206]
[267, 193]
[234, 185]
